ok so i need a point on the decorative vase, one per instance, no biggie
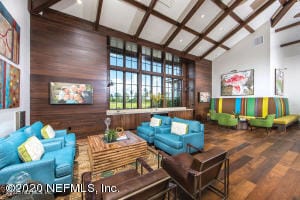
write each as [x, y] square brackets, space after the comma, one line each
[107, 123]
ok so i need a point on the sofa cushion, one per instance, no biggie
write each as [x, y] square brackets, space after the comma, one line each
[70, 140]
[6, 150]
[31, 149]
[63, 161]
[170, 139]
[47, 132]
[155, 122]
[194, 126]
[286, 119]
[179, 128]
[35, 129]
[15, 140]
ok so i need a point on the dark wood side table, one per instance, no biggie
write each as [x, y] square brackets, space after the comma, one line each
[242, 124]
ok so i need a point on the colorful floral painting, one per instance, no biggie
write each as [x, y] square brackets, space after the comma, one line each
[9, 85]
[12, 88]
[9, 36]
[238, 83]
[279, 78]
[1, 83]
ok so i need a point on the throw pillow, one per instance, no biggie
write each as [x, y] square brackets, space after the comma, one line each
[32, 149]
[48, 132]
[179, 128]
[155, 122]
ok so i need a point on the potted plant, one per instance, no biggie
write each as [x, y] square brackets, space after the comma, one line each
[156, 99]
[110, 136]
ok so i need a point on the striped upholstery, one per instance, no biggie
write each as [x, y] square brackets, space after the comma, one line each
[253, 106]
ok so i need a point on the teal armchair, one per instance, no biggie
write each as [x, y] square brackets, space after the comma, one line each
[229, 120]
[262, 122]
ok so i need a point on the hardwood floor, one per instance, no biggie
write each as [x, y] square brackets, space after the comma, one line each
[261, 166]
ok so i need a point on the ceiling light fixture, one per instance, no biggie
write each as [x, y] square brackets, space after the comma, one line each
[79, 1]
[202, 16]
[180, 40]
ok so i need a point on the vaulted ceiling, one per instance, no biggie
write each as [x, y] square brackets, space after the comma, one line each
[204, 29]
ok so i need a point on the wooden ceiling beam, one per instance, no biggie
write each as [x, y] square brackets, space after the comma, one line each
[287, 27]
[184, 21]
[170, 20]
[72, 21]
[145, 18]
[251, 17]
[38, 6]
[285, 8]
[99, 9]
[213, 25]
[290, 43]
[221, 5]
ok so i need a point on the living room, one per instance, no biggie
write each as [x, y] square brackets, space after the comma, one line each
[108, 67]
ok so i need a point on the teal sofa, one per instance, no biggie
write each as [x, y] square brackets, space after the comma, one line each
[147, 132]
[67, 139]
[55, 166]
[174, 144]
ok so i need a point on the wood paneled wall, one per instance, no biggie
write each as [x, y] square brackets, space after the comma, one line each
[63, 53]
[203, 81]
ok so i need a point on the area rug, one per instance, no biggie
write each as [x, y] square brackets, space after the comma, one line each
[82, 164]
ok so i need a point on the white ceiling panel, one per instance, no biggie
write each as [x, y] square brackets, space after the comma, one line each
[227, 2]
[289, 35]
[201, 48]
[156, 30]
[289, 16]
[182, 39]
[172, 8]
[124, 10]
[224, 27]
[216, 53]
[86, 10]
[244, 9]
[204, 16]
[264, 16]
[145, 2]
[238, 36]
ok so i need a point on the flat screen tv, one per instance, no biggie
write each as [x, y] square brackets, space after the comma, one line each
[71, 93]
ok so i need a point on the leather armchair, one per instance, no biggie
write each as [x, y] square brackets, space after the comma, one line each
[67, 139]
[175, 144]
[194, 174]
[130, 184]
[147, 132]
[262, 122]
[55, 166]
[225, 119]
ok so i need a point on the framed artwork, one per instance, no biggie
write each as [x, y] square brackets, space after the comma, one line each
[9, 85]
[204, 97]
[9, 36]
[71, 93]
[279, 81]
[239, 83]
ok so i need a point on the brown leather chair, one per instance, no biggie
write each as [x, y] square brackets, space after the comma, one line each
[130, 184]
[193, 174]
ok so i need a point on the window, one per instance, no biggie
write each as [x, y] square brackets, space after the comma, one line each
[116, 89]
[131, 90]
[134, 82]
[146, 91]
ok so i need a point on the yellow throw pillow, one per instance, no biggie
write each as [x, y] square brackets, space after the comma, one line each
[179, 128]
[155, 122]
[48, 132]
[32, 149]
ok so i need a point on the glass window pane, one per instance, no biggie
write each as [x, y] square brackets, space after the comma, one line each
[146, 51]
[156, 53]
[146, 63]
[157, 67]
[169, 57]
[116, 42]
[131, 90]
[146, 90]
[131, 47]
[169, 69]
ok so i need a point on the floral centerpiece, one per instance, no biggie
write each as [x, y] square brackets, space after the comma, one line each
[110, 136]
[156, 99]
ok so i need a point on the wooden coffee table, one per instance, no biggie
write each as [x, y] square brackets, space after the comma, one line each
[106, 156]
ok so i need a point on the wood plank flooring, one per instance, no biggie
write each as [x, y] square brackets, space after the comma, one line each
[261, 166]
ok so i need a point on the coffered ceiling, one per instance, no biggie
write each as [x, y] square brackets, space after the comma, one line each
[202, 28]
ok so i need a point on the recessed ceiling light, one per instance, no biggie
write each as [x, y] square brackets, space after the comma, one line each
[180, 40]
[79, 1]
[202, 16]
[221, 29]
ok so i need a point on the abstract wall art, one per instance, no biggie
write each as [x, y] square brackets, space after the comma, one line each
[279, 80]
[9, 36]
[239, 83]
[9, 85]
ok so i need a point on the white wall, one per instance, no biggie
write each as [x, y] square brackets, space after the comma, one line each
[18, 9]
[287, 58]
[244, 56]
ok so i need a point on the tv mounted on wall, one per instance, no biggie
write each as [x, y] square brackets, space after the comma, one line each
[71, 93]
